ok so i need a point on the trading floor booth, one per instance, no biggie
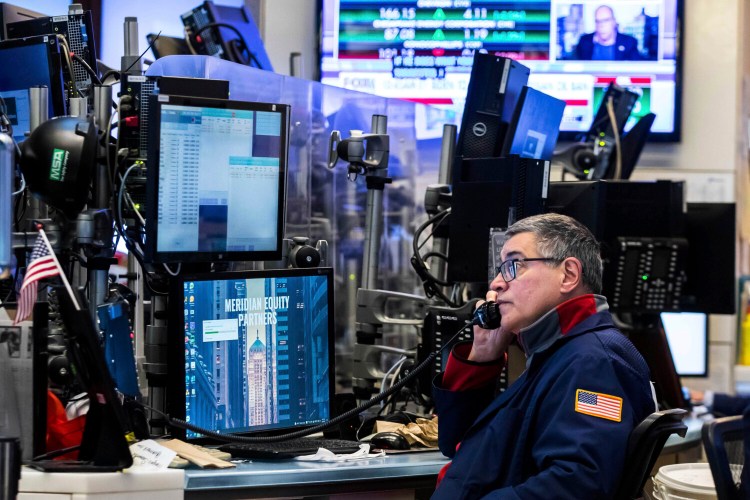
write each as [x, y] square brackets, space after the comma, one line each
[364, 212]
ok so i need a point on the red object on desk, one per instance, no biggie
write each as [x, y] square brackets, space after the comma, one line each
[61, 432]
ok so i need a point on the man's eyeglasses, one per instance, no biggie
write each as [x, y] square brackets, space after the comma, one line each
[508, 269]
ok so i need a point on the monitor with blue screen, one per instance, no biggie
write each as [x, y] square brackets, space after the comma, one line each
[687, 335]
[25, 63]
[252, 351]
[216, 179]
[534, 126]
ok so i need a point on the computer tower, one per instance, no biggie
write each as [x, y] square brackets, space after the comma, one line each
[79, 33]
[711, 233]
[494, 87]
[134, 103]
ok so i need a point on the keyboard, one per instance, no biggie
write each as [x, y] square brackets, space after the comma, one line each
[289, 449]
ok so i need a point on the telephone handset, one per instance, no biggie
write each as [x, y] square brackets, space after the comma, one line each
[487, 316]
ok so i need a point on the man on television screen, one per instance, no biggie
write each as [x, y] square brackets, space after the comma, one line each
[607, 43]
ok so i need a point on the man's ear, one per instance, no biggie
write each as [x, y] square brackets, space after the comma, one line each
[572, 275]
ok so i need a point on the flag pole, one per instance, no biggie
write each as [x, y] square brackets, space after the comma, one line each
[59, 268]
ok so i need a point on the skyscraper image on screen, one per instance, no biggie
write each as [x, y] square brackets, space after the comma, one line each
[256, 350]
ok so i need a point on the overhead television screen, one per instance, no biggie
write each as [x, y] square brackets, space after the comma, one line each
[422, 50]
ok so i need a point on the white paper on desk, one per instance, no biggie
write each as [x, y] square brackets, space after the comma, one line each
[148, 454]
[324, 455]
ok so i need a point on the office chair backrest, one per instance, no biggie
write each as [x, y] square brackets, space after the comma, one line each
[644, 446]
[723, 440]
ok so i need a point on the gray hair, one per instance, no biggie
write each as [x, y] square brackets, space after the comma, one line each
[559, 237]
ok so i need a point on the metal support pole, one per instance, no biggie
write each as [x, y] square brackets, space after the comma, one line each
[155, 348]
[135, 283]
[373, 217]
[78, 107]
[447, 153]
[103, 114]
[7, 163]
[38, 106]
[130, 61]
[39, 113]
[98, 278]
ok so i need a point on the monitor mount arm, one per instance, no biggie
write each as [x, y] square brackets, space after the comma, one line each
[372, 314]
[367, 154]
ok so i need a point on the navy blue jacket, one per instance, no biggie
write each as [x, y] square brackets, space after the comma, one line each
[726, 404]
[626, 48]
[532, 441]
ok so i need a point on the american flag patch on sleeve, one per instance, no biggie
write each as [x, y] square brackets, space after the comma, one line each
[599, 405]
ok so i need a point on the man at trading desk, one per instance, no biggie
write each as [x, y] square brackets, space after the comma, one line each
[561, 430]
[607, 43]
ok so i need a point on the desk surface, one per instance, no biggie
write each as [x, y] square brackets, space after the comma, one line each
[259, 477]
[692, 437]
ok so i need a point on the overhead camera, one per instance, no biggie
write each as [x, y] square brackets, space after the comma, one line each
[297, 252]
[578, 159]
[365, 153]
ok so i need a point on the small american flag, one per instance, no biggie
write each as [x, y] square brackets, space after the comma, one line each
[41, 265]
[599, 405]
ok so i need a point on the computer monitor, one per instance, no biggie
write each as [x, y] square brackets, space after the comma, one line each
[422, 51]
[623, 101]
[12, 14]
[711, 231]
[252, 352]
[650, 339]
[239, 42]
[535, 125]
[37, 62]
[162, 45]
[687, 335]
[216, 179]
[612, 209]
[631, 146]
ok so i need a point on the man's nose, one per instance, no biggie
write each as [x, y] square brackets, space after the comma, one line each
[498, 284]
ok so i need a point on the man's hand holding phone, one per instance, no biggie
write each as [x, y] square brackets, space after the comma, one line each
[489, 345]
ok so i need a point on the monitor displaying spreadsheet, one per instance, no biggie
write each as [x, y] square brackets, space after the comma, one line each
[217, 172]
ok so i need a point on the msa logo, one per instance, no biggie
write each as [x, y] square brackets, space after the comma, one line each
[479, 129]
[59, 162]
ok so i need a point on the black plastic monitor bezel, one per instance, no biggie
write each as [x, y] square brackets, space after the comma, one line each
[175, 401]
[152, 254]
[56, 92]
